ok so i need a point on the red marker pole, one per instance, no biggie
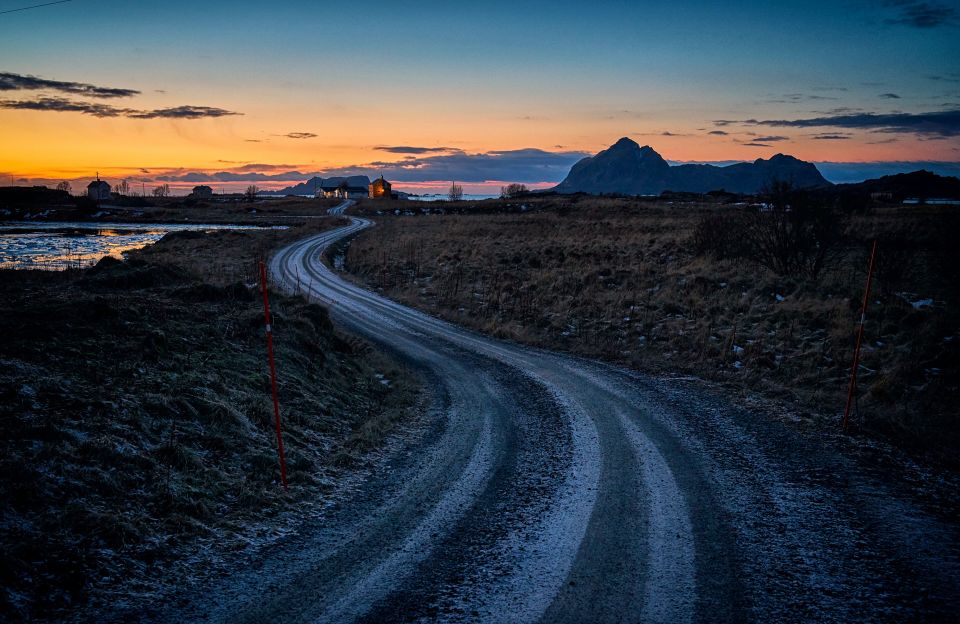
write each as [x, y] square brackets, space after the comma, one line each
[845, 425]
[273, 372]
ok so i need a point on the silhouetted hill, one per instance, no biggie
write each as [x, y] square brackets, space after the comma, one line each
[310, 186]
[920, 184]
[628, 169]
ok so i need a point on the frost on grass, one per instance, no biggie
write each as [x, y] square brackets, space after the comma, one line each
[138, 450]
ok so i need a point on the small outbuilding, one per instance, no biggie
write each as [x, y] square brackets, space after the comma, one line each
[380, 189]
[202, 192]
[98, 190]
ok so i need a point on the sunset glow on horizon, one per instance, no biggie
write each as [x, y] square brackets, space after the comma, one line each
[482, 95]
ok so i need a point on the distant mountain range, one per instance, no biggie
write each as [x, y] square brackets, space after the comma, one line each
[315, 183]
[625, 168]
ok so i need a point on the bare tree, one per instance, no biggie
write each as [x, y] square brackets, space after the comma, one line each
[123, 189]
[162, 191]
[65, 186]
[456, 192]
[796, 235]
[251, 192]
[513, 190]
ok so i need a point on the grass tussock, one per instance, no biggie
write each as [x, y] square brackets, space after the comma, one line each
[137, 427]
[680, 288]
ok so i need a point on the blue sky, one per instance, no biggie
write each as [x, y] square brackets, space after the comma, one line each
[485, 78]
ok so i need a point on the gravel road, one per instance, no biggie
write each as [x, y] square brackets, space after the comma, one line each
[551, 488]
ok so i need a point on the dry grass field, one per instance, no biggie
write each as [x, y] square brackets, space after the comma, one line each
[643, 284]
[136, 424]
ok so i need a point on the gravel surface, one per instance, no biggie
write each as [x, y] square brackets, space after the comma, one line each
[551, 488]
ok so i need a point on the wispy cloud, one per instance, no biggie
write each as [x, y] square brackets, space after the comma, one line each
[719, 132]
[183, 112]
[300, 135]
[755, 144]
[889, 96]
[922, 14]
[19, 82]
[770, 139]
[940, 123]
[799, 97]
[831, 137]
[409, 149]
[64, 105]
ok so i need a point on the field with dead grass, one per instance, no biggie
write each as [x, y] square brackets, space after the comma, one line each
[136, 424]
[629, 281]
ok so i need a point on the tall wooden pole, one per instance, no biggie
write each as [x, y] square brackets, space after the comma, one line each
[851, 391]
[273, 373]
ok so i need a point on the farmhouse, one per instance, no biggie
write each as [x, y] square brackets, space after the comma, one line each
[202, 192]
[98, 190]
[380, 189]
[353, 187]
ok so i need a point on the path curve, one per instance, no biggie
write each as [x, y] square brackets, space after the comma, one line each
[552, 488]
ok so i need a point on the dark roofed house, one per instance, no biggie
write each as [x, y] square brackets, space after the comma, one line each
[202, 192]
[353, 187]
[98, 190]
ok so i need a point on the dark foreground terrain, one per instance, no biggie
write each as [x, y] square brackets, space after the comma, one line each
[137, 451]
[688, 288]
[552, 488]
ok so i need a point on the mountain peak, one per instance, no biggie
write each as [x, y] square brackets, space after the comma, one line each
[625, 142]
[628, 169]
[782, 158]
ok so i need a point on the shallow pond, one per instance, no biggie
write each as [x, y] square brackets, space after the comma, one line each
[57, 246]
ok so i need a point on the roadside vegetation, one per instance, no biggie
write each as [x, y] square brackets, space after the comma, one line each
[762, 298]
[136, 425]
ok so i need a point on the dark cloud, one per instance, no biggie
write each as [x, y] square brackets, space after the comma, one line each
[18, 82]
[523, 165]
[718, 132]
[234, 176]
[889, 96]
[802, 97]
[408, 149]
[300, 135]
[183, 112]
[663, 133]
[770, 139]
[63, 105]
[941, 123]
[754, 144]
[922, 14]
[831, 137]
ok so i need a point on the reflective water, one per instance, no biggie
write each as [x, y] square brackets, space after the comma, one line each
[59, 245]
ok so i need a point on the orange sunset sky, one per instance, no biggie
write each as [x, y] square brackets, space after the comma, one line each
[230, 94]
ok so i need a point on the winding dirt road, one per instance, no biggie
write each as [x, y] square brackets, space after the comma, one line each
[551, 488]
